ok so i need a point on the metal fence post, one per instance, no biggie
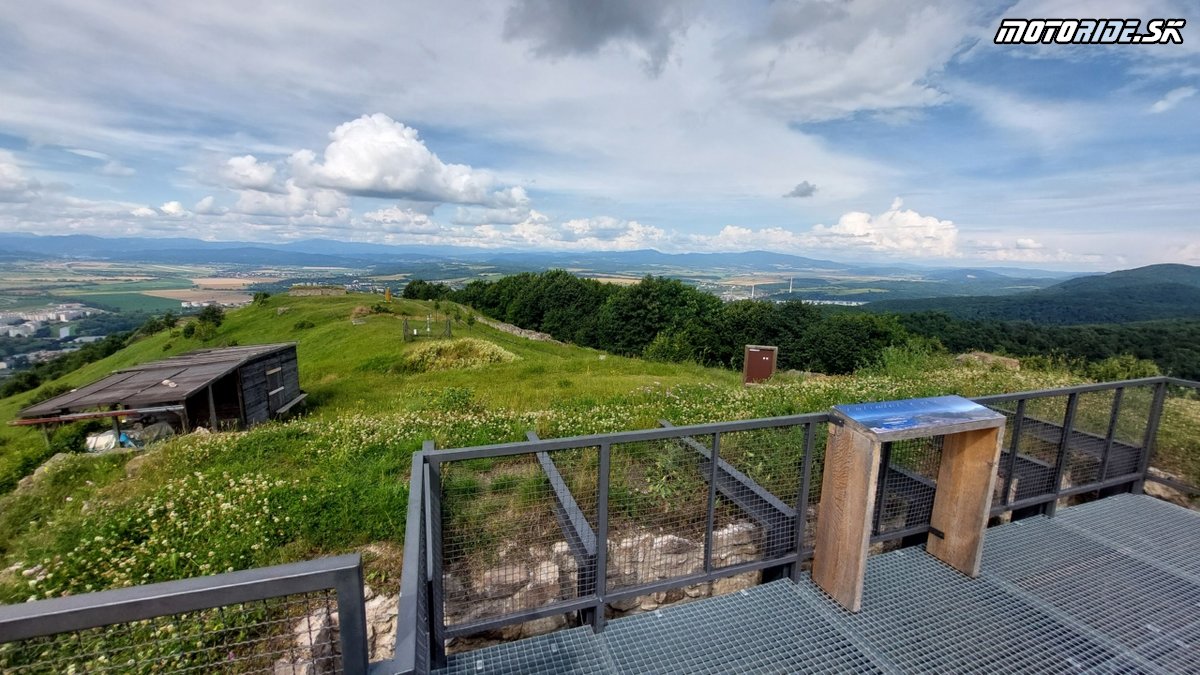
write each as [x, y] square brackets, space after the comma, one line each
[602, 536]
[352, 621]
[1112, 433]
[802, 498]
[437, 600]
[712, 503]
[1014, 449]
[1151, 437]
[1063, 451]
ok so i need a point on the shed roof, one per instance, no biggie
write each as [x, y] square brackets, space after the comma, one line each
[149, 384]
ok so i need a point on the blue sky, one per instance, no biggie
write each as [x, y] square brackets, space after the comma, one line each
[901, 132]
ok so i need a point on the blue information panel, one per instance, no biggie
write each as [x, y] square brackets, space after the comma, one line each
[916, 417]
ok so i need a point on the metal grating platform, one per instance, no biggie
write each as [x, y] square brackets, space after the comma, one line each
[1111, 586]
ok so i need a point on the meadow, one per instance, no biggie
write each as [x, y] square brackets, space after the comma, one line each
[335, 479]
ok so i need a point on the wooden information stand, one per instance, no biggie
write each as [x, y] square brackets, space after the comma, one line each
[966, 478]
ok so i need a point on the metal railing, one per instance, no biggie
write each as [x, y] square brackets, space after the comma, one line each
[524, 537]
[249, 621]
[514, 534]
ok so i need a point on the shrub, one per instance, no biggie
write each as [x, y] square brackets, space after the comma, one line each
[460, 354]
[189, 330]
[211, 314]
[303, 324]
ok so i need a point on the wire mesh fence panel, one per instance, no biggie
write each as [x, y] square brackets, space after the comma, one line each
[514, 533]
[1177, 443]
[1088, 443]
[1034, 474]
[907, 482]
[658, 497]
[295, 633]
[759, 478]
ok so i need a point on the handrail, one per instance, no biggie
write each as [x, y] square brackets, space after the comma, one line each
[136, 603]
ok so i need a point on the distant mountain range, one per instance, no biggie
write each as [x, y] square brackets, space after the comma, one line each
[1149, 293]
[333, 253]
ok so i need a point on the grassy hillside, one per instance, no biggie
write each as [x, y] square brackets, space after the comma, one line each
[336, 479]
[1143, 294]
[346, 367]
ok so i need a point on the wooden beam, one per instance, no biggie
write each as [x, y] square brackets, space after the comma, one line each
[212, 410]
[847, 508]
[966, 479]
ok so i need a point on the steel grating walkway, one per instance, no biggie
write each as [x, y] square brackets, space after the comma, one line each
[1111, 586]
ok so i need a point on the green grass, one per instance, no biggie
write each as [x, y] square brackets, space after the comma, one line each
[336, 478]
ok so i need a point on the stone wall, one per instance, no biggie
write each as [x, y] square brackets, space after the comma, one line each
[528, 578]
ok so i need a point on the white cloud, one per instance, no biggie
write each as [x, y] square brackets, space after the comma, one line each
[896, 230]
[15, 186]
[816, 60]
[293, 201]
[247, 173]
[1029, 244]
[174, 209]
[376, 156]
[1172, 99]
[208, 207]
[396, 219]
[143, 212]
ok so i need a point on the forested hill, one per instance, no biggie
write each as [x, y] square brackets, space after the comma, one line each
[1149, 293]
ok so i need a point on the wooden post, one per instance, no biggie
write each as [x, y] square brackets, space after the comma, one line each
[847, 508]
[212, 411]
[963, 500]
[966, 478]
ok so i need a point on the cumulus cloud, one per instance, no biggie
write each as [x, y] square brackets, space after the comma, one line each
[895, 230]
[1172, 99]
[802, 189]
[398, 219]
[293, 201]
[557, 28]
[143, 212]
[376, 156]
[174, 210]
[247, 173]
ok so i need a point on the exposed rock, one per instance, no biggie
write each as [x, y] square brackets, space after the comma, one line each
[1166, 492]
[986, 359]
[313, 646]
[501, 581]
[381, 626]
[736, 583]
[734, 534]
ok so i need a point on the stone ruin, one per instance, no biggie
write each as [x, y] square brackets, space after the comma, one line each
[528, 578]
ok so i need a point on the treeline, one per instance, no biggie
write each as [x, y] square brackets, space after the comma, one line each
[667, 320]
[1173, 345]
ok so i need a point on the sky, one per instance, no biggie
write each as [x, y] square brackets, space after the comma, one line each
[856, 131]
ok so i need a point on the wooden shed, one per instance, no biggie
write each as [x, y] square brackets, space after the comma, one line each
[229, 387]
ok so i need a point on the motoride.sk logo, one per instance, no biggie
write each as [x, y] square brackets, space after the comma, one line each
[1090, 31]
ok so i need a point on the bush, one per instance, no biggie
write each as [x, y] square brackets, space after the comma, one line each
[460, 354]
[189, 330]
[212, 315]
[1123, 367]
[303, 325]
